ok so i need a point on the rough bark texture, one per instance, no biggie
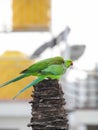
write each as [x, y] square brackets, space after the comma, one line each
[48, 112]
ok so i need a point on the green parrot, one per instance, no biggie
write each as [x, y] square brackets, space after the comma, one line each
[52, 68]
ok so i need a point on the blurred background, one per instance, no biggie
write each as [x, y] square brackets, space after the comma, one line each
[31, 30]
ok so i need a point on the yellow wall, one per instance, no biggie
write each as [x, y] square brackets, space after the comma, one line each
[11, 64]
[31, 14]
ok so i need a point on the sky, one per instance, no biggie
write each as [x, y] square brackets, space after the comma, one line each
[80, 15]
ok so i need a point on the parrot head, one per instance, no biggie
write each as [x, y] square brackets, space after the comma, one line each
[68, 63]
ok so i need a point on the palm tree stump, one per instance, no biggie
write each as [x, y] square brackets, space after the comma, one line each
[48, 112]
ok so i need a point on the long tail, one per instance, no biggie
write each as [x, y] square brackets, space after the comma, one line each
[36, 81]
[13, 80]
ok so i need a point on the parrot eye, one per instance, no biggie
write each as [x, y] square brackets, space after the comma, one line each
[71, 63]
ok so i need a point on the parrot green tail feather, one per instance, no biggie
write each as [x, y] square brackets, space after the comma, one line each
[13, 80]
[36, 81]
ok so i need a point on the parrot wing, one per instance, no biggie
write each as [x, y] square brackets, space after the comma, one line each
[54, 70]
[36, 68]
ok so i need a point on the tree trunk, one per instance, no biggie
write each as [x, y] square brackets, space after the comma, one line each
[48, 112]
